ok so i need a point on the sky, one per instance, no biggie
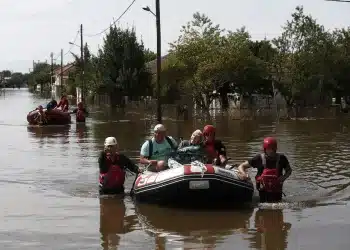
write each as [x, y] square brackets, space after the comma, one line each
[32, 29]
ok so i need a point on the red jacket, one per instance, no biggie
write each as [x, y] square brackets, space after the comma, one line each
[63, 105]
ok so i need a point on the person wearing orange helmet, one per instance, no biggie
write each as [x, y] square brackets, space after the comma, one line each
[273, 169]
[215, 149]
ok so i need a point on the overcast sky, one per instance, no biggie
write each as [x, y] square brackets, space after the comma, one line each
[32, 29]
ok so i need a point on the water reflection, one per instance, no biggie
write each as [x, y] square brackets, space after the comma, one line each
[271, 230]
[191, 228]
[114, 222]
[49, 131]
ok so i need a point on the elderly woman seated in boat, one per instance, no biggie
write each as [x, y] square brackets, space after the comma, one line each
[191, 150]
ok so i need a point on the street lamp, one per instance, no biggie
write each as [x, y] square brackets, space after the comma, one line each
[147, 8]
[82, 70]
[159, 57]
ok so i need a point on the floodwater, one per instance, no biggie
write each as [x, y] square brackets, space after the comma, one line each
[49, 198]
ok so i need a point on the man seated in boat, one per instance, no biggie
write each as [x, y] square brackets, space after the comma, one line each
[191, 150]
[63, 104]
[51, 105]
[156, 151]
[112, 165]
[270, 176]
[216, 151]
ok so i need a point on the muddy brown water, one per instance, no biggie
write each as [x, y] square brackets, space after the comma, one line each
[49, 198]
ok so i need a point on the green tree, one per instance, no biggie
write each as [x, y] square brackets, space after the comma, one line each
[123, 64]
[16, 80]
[6, 73]
[302, 66]
[210, 61]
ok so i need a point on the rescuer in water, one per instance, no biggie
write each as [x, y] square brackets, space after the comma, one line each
[112, 167]
[81, 112]
[273, 169]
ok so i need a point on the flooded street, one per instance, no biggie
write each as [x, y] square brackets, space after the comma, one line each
[49, 196]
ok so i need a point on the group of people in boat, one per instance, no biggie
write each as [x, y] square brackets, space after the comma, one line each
[272, 168]
[43, 117]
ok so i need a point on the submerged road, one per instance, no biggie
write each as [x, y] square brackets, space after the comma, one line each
[48, 186]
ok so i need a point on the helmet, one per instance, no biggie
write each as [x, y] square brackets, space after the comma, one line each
[159, 128]
[110, 141]
[270, 143]
[208, 129]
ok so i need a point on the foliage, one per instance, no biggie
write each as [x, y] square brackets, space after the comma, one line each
[208, 60]
[306, 63]
[119, 66]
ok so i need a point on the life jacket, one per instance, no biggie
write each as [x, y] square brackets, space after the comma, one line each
[80, 116]
[63, 105]
[114, 178]
[211, 151]
[268, 181]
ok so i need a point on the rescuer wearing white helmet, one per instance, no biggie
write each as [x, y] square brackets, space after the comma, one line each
[112, 165]
[156, 151]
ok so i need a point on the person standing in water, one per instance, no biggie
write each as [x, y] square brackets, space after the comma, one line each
[112, 165]
[273, 169]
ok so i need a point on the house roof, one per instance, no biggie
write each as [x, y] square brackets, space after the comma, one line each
[67, 68]
[152, 65]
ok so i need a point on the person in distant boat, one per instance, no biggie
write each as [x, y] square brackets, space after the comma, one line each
[51, 105]
[216, 151]
[156, 151]
[191, 150]
[41, 116]
[81, 112]
[63, 104]
[273, 169]
[112, 165]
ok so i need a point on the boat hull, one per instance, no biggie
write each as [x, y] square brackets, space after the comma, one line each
[54, 117]
[181, 186]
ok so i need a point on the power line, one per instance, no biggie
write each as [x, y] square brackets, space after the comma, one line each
[70, 49]
[120, 17]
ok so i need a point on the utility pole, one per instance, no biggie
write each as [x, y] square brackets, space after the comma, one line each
[34, 83]
[159, 62]
[82, 64]
[51, 75]
[61, 76]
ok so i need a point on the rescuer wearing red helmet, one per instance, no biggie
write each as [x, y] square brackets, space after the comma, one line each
[270, 176]
[216, 151]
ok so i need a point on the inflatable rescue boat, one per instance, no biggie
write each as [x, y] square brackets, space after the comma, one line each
[192, 183]
[53, 117]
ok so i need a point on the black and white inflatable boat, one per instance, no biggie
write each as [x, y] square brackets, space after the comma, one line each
[192, 183]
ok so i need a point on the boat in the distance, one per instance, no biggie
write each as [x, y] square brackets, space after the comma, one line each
[193, 183]
[54, 117]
